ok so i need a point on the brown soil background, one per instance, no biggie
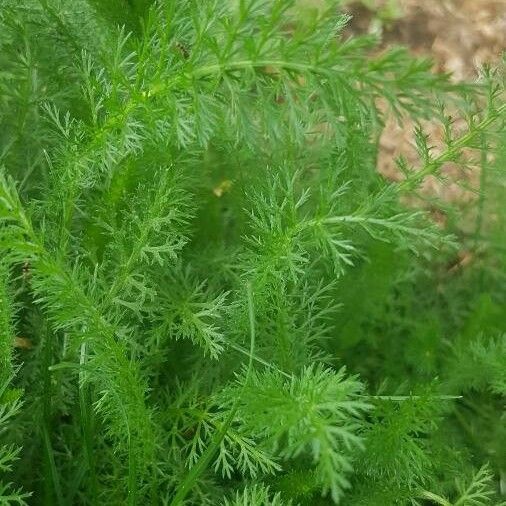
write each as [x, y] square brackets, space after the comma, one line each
[460, 36]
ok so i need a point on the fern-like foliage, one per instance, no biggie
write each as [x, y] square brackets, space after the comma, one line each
[6, 331]
[10, 494]
[477, 491]
[255, 496]
[10, 403]
[218, 299]
[315, 417]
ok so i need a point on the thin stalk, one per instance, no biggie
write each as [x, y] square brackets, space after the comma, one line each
[87, 426]
[132, 474]
[483, 183]
[52, 484]
[481, 205]
[399, 398]
[54, 478]
[451, 152]
[205, 459]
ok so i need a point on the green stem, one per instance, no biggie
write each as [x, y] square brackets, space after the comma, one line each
[52, 484]
[102, 335]
[451, 152]
[205, 459]
[87, 426]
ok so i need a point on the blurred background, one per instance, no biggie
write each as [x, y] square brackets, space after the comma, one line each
[461, 37]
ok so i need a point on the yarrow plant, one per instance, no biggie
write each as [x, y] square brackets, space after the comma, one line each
[208, 293]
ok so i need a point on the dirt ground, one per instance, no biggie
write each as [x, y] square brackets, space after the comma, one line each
[460, 36]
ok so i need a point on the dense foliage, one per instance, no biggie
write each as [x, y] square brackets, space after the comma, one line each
[208, 293]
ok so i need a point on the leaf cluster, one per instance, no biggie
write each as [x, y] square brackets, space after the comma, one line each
[208, 294]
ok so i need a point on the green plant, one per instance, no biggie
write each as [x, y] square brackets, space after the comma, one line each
[195, 242]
